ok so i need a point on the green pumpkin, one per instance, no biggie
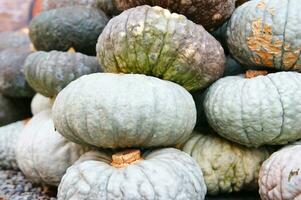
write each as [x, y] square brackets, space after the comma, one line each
[62, 28]
[124, 110]
[49, 72]
[14, 39]
[263, 33]
[152, 41]
[256, 111]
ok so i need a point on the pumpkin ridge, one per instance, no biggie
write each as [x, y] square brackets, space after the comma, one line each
[284, 34]
[143, 36]
[147, 178]
[126, 39]
[242, 111]
[118, 69]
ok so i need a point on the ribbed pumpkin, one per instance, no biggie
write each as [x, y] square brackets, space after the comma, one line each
[124, 110]
[42, 154]
[49, 72]
[227, 167]
[40, 103]
[266, 33]
[152, 41]
[11, 39]
[63, 28]
[8, 139]
[209, 13]
[280, 177]
[164, 174]
[256, 111]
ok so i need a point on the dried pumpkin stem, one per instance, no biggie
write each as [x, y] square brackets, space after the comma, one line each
[254, 73]
[25, 121]
[126, 158]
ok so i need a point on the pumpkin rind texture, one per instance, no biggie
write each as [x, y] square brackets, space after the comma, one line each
[152, 41]
[14, 39]
[124, 110]
[209, 13]
[164, 174]
[227, 167]
[43, 155]
[63, 28]
[40, 103]
[256, 111]
[49, 72]
[264, 33]
[53, 4]
[279, 177]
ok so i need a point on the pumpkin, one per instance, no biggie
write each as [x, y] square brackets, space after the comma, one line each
[53, 4]
[233, 67]
[227, 167]
[12, 79]
[152, 41]
[209, 14]
[124, 110]
[40, 103]
[49, 72]
[8, 140]
[266, 33]
[256, 111]
[279, 177]
[42, 154]
[62, 28]
[220, 34]
[163, 174]
[11, 39]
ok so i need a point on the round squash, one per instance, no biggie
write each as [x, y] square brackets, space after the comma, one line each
[227, 167]
[14, 39]
[233, 67]
[53, 4]
[12, 78]
[49, 72]
[209, 13]
[152, 41]
[8, 139]
[256, 111]
[279, 177]
[266, 33]
[164, 174]
[40, 103]
[42, 154]
[62, 28]
[124, 110]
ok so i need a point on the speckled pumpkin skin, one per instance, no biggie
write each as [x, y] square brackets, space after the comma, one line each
[256, 111]
[124, 110]
[8, 139]
[49, 72]
[152, 41]
[227, 167]
[42, 154]
[209, 13]
[266, 33]
[62, 28]
[11, 39]
[164, 174]
[279, 177]
[40, 103]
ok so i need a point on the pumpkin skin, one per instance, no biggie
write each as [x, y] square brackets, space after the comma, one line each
[164, 174]
[266, 33]
[8, 140]
[157, 43]
[256, 111]
[227, 167]
[49, 72]
[53, 4]
[40, 103]
[209, 13]
[63, 28]
[279, 177]
[233, 67]
[42, 154]
[14, 39]
[103, 110]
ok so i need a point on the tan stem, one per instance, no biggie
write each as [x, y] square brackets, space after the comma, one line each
[254, 73]
[25, 121]
[126, 158]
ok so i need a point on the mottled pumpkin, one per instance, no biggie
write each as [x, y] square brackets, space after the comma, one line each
[8, 139]
[152, 41]
[40, 103]
[49, 72]
[227, 167]
[279, 177]
[164, 174]
[208, 13]
[62, 28]
[124, 110]
[266, 33]
[42, 154]
[256, 111]
[11, 39]
[53, 4]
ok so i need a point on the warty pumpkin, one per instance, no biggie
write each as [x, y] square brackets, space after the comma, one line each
[153, 41]
[40, 103]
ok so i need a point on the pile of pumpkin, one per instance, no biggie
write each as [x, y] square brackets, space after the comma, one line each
[158, 111]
